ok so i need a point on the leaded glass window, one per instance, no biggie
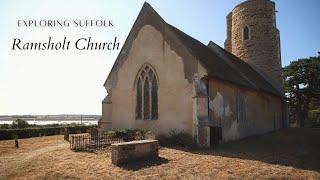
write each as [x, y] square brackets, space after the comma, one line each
[146, 99]
[147, 94]
[139, 99]
[154, 95]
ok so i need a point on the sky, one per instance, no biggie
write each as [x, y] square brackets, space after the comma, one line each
[71, 82]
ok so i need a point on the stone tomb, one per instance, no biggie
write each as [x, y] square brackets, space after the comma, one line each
[133, 150]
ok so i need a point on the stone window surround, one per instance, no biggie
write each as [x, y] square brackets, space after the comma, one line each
[249, 33]
[138, 76]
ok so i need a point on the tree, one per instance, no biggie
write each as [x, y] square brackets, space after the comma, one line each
[302, 86]
[19, 124]
[4, 126]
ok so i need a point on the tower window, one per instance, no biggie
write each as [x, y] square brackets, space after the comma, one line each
[147, 94]
[246, 33]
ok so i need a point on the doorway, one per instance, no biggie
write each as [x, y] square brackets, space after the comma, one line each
[215, 136]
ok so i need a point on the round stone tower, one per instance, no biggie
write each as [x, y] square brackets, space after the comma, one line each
[252, 35]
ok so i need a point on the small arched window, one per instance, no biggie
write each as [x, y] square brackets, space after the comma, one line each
[147, 94]
[246, 33]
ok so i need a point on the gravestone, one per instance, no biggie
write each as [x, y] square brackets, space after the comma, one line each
[133, 150]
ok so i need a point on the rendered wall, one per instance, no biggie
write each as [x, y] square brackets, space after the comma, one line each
[175, 92]
[260, 112]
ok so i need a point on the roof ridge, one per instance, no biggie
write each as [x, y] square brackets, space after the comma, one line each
[211, 44]
[237, 59]
[247, 81]
[269, 80]
[146, 8]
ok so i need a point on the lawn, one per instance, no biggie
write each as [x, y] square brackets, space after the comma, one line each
[293, 153]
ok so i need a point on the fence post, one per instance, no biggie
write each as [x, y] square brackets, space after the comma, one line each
[66, 134]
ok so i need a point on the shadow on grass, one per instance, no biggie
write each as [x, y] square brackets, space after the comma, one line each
[143, 163]
[298, 148]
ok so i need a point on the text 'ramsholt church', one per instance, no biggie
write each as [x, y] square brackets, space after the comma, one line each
[164, 80]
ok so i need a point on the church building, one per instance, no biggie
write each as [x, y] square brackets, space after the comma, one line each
[164, 79]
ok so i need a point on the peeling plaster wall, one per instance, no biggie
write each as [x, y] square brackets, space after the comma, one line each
[175, 92]
[242, 112]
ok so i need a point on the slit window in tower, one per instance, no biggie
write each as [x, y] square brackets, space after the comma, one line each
[246, 33]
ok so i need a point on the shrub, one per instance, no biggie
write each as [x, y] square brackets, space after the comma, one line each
[19, 123]
[140, 134]
[175, 138]
[93, 131]
[5, 126]
[122, 133]
[314, 118]
[110, 134]
[79, 149]
[127, 134]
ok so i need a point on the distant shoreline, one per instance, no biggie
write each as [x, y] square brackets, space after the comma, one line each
[52, 119]
[85, 122]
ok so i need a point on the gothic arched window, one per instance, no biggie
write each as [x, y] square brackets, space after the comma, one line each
[246, 33]
[147, 94]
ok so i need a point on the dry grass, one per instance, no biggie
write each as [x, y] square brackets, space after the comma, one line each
[287, 154]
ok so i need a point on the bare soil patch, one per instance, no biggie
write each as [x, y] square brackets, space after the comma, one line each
[291, 153]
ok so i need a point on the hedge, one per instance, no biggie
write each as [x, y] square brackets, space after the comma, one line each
[36, 132]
